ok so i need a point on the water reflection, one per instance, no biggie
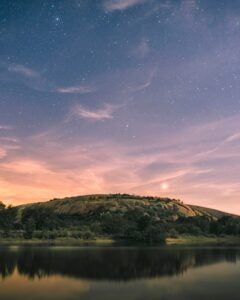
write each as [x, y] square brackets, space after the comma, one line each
[113, 264]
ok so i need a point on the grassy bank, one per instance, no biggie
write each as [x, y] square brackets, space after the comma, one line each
[188, 240]
[57, 242]
[184, 240]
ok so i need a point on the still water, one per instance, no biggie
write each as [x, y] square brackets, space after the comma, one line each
[88, 273]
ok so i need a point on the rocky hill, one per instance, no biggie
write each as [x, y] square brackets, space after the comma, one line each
[121, 203]
[118, 216]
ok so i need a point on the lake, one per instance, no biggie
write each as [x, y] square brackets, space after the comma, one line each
[86, 273]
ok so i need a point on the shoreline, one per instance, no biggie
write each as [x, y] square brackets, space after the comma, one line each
[186, 240]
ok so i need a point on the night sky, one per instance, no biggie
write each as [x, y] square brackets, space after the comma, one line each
[129, 96]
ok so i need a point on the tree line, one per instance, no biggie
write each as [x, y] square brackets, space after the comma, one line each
[41, 222]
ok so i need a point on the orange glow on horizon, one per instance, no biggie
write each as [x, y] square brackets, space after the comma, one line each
[54, 170]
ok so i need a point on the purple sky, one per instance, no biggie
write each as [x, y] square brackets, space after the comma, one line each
[129, 96]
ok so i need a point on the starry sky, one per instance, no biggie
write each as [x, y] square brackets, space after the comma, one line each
[129, 96]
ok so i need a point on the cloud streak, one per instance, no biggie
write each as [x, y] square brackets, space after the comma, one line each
[113, 5]
[81, 89]
[146, 83]
[5, 127]
[23, 71]
[36, 81]
[101, 114]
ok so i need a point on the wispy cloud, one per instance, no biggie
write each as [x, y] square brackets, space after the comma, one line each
[146, 83]
[23, 70]
[80, 89]
[195, 170]
[233, 137]
[35, 80]
[101, 114]
[3, 152]
[142, 49]
[5, 127]
[188, 6]
[29, 77]
[112, 5]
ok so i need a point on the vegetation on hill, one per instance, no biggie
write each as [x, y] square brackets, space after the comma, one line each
[139, 219]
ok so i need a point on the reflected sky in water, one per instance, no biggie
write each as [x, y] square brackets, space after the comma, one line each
[119, 273]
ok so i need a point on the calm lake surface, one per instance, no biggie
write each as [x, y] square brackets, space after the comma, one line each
[119, 273]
